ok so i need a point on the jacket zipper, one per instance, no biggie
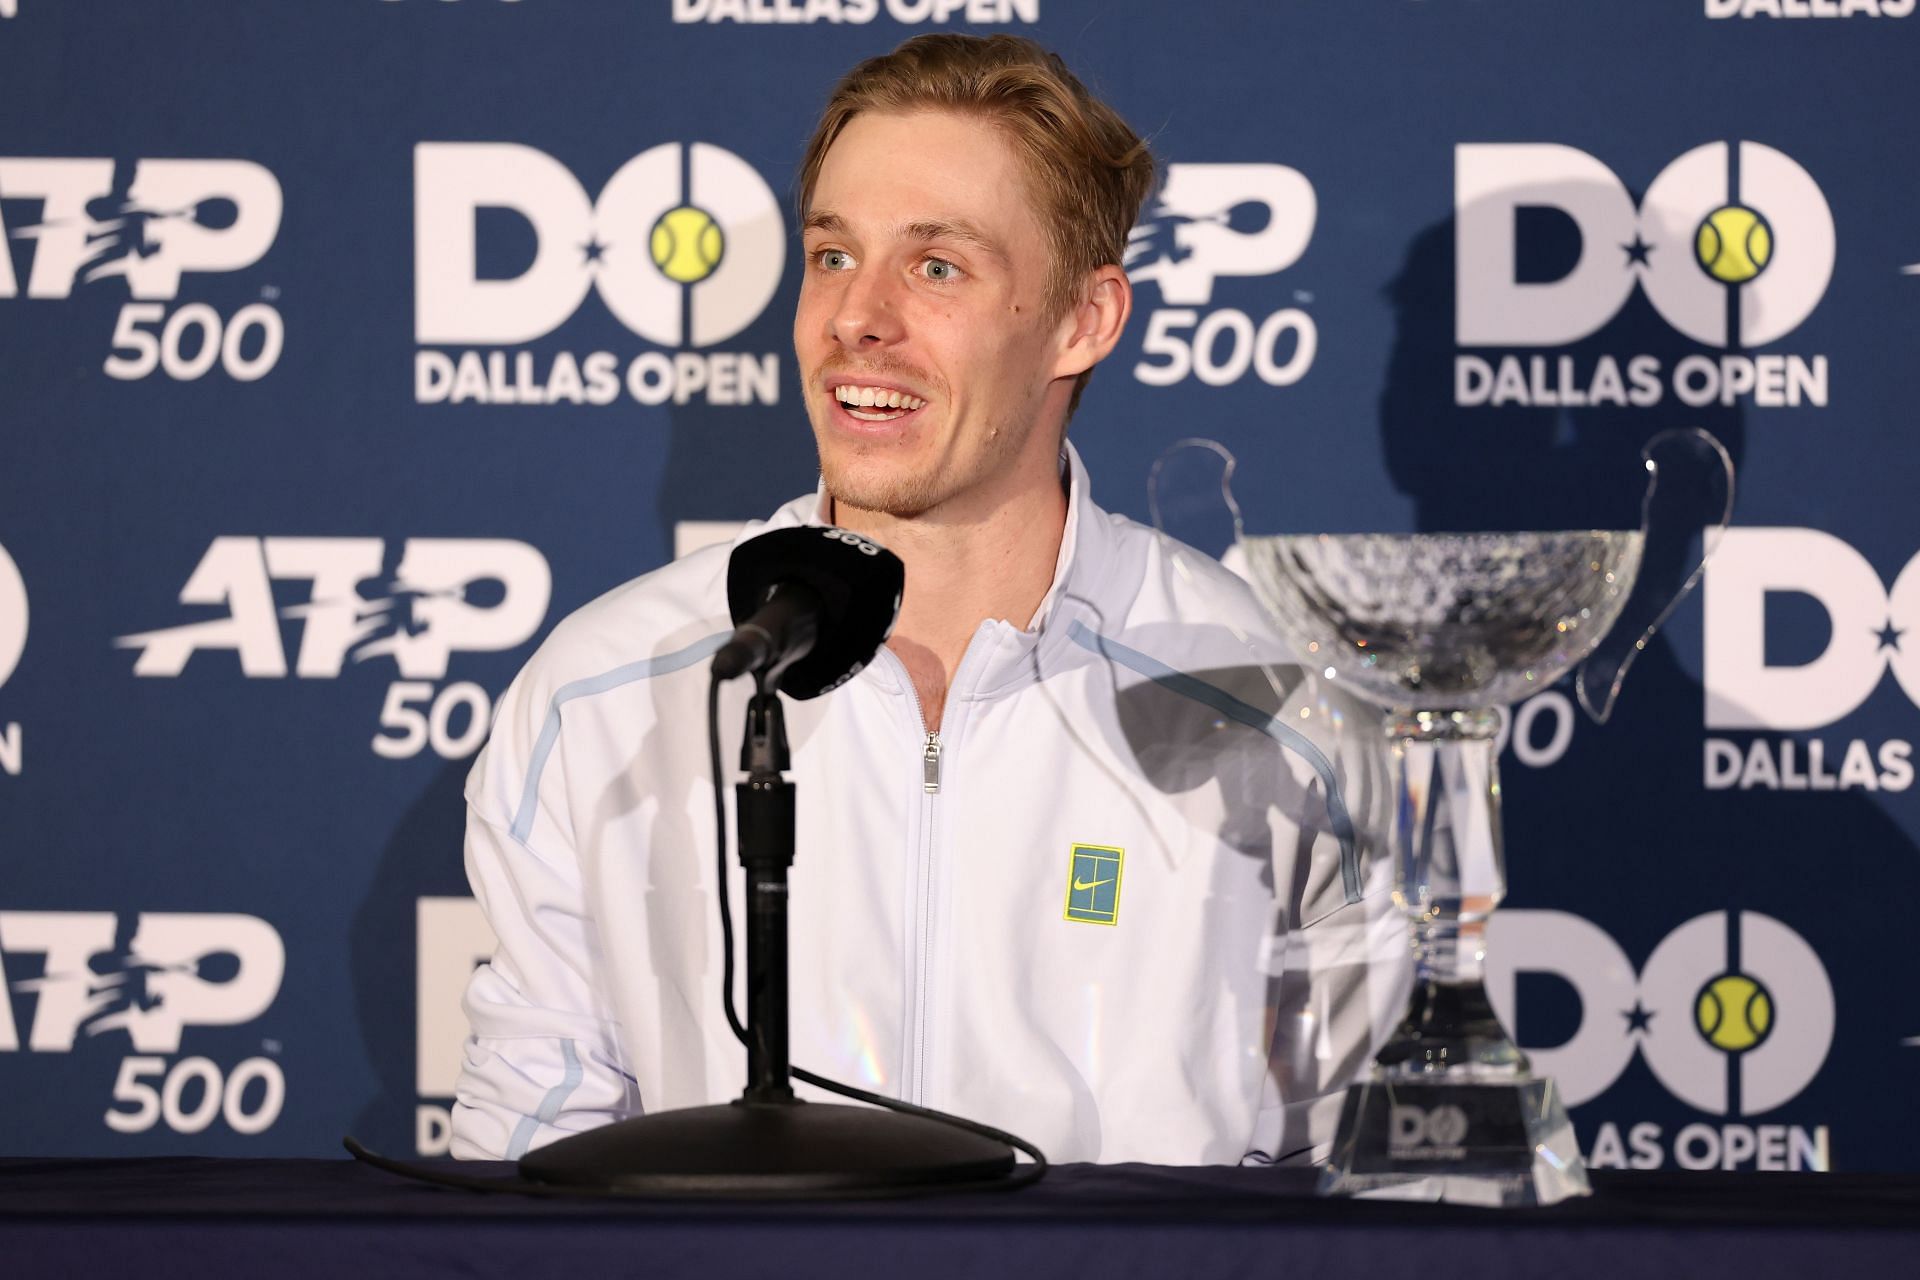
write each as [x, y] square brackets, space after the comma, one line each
[930, 765]
[913, 1085]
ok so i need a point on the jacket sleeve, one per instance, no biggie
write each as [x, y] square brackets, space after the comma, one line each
[543, 1057]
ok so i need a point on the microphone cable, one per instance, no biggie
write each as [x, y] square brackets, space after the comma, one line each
[1022, 1175]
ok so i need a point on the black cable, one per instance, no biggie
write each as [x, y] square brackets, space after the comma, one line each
[1023, 1176]
[1033, 1172]
[720, 842]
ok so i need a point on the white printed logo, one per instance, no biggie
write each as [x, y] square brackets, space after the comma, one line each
[1673, 245]
[451, 937]
[1871, 627]
[906, 12]
[1704, 1019]
[1412, 1128]
[13, 616]
[419, 618]
[1223, 220]
[690, 259]
[442, 596]
[151, 980]
[151, 223]
[1808, 8]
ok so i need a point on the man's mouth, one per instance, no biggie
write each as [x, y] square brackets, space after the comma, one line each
[875, 404]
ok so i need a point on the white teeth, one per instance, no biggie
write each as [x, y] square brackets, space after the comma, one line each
[876, 397]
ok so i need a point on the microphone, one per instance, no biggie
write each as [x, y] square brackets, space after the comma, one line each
[810, 608]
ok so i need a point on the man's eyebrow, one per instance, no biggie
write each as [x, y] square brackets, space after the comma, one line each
[825, 220]
[952, 230]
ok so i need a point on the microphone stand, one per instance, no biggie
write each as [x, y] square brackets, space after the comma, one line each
[768, 1142]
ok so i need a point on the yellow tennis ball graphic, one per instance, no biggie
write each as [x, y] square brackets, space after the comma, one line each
[687, 244]
[1733, 244]
[1734, 1013]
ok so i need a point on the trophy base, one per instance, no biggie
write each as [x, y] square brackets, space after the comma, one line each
[1506, 1144]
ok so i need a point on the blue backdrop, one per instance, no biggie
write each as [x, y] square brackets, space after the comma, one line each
[340, 364]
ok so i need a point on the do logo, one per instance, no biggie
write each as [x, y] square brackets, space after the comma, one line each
[685, 244]
[13, 616]
[1718, 218]
[1733, 1014]
[1743, 690]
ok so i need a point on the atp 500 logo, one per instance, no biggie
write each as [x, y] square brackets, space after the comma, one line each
[1734, 1015]
[148, 977]
[151, 224]
[1215, 221]
[685, 245]
[1733, 247]
[435, 597]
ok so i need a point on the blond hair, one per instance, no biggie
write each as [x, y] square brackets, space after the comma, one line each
[1090, 171]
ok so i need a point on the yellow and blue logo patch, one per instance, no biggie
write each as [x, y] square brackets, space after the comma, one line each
[1093, 883]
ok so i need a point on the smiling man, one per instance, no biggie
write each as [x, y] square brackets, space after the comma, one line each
[1074, 859]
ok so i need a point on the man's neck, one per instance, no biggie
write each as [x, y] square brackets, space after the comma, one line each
[989, 556]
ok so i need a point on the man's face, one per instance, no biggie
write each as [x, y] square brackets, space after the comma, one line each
[922, 338]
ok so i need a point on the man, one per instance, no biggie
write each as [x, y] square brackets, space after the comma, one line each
[1064, 714]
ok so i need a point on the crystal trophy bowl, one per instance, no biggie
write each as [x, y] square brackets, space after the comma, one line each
[1442, 631]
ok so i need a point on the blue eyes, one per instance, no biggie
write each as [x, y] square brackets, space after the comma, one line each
[937, 270]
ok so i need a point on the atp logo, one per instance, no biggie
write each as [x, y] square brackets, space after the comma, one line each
[417, 605]
[149, 976]
[141, 981]
[150, 224]
[685, 245]
[13, 642]
[1212, 221]
[1733, 245]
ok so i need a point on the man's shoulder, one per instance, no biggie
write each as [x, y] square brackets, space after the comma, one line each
[652, 619]
[1179, 584]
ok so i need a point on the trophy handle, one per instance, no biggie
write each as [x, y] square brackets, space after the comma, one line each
[1179, 505]
[1690, 485]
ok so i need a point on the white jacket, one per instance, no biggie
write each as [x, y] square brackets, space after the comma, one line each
[940, 950]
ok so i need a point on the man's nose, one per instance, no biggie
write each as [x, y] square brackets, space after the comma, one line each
[868, 314]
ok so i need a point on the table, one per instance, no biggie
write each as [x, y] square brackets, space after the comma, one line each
[165, 1217]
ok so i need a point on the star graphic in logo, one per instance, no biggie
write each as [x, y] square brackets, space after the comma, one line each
[1638, 1018]
[1637, 251]
[593, 252]
[1889, 637]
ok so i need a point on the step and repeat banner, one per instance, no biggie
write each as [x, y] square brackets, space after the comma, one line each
[348, 346]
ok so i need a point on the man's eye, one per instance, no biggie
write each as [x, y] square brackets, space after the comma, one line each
[942, 270]
[834, 259]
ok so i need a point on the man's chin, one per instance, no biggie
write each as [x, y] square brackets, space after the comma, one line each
[883, 491]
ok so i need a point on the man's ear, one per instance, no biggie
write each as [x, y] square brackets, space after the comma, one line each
[1093, 327]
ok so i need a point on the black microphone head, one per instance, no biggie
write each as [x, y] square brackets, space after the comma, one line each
[859, 584]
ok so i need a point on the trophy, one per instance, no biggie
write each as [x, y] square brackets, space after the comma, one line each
[1442, 631]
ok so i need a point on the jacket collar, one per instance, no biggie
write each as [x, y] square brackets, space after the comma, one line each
[1001, 656]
